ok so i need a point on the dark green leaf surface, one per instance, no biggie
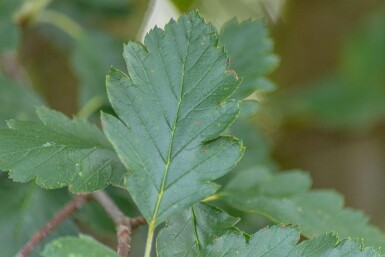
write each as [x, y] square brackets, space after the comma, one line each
[173, 108]
[17, 101]
[24, 209]
[82, 246]
[286, 198]
[251, 54]
[187, 233]
[58, 152]
[278, 241]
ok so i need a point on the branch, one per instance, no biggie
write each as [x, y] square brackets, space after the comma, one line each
[59, 217]
[124, 225]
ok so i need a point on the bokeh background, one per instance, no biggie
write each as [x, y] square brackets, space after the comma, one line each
[325, 115]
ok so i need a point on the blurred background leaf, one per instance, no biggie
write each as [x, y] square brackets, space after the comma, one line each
[10, 34]
[17, 101]
[25, 208]
[352, 97]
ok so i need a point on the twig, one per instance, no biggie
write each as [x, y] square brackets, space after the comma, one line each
[59, 217]
[124, 225]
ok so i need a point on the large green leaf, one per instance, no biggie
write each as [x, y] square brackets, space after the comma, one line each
[287, 198]
[82, 246]
[187, 233]
[251, 54]
[173, 106]
[24, 209]
[282, 241]
[57, 152]
[17, 101]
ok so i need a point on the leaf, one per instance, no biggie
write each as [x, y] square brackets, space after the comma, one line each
[10, 34]
[274, 241]
[257, 144]
[173, 106]
[25, 208]
[287, 198]
[83, 246]
[212, 234]
[187, 233]
[282, 241]
[92, 56]
[17, 101]
[58, 152]
[251, 54]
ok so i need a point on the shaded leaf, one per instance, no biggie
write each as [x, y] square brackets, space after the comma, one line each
[282, 241]
[173, 108]
[24, 209]
[82, 246]
[258, 146]
[287, 198]
[251, 54]
[187, 233]
[58, 152]
[17, 101]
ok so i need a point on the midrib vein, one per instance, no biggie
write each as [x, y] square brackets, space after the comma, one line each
[161, 192]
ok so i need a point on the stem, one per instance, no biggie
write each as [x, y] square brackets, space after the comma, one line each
[91, 106]
[150, 237]
[212, 198]
[59, 217]
[124, 225]
[61, 21]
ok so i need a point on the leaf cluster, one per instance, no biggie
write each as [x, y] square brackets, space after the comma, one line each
[167, 143]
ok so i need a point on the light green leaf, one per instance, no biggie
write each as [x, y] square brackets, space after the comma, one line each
[251, 54]
[82, 246]
[173, 106]
[287, 198]
[282, 241]
[57, 152]
[17, 101]
[187, 233]
[25, 208]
